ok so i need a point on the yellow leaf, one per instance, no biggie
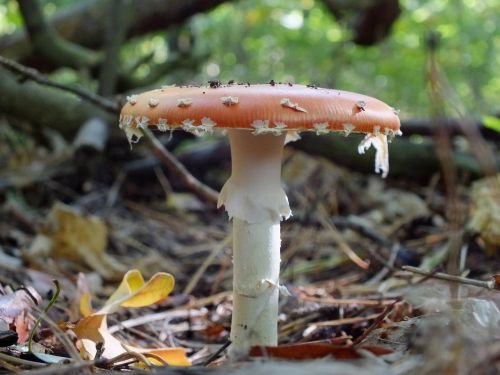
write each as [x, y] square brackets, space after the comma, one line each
[132, 292]
[173, 356]
[157, 289]
[85, 306]
[132, 281]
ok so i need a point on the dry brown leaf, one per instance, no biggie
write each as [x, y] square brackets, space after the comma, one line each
[485, 211]
[15, 310]
[68, 235]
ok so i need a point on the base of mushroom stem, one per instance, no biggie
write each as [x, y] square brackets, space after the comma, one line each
[256, 263]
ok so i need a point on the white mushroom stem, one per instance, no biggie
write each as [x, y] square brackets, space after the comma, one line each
[255, 200]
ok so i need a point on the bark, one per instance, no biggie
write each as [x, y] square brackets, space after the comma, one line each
[47, 43]
[119, 16]
[46, 106]
[369, 20]
[453, 127]
[85, 24]
[65, 112]
[417, 161]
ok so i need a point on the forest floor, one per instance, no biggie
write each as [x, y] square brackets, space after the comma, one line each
[72, 231]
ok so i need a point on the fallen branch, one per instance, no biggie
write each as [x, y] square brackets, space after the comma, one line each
[48, 43]
[34, 75]
[72, 24]
[493, 284]
[179, 171]
[407, 159]
[51, 107]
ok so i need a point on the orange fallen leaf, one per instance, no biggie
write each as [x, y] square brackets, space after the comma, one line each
[306, 351]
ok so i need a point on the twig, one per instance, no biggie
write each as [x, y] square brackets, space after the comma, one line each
[341, 322]
[39, 320]
[63, 337]
[375, 324]
[343, 245]
[19, 361]
[350, 301]
[490, 285]
[217, 353]
[164, 316]
[61, 368]
[208, 261]
[35, 75]
[179, 171]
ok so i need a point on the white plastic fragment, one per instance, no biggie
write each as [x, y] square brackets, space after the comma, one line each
[132, 99]
[348, 128]
[184, 102]
[153, 102]
[229, 100]
[379, 142]
[285, 102]
[321, 128]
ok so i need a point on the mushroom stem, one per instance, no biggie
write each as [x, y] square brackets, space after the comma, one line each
[256, 262]
[254, 198]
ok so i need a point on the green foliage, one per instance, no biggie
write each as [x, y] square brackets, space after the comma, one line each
[491, 122]
[300, 41]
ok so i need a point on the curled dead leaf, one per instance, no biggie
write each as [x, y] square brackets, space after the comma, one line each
[133, 291]
[307, 351]
[71, 236]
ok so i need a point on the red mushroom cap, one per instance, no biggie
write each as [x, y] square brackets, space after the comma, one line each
[263, 108]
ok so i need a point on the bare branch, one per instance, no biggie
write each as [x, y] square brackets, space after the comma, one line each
[118, 18]
[490, 285]
[181, 173]
[36, 76]
[47, 43]
[47, 106]
[84, 23]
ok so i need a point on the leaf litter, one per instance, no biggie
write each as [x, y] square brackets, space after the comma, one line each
[364, 310]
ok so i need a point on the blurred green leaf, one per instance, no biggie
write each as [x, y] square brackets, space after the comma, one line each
[491, 122]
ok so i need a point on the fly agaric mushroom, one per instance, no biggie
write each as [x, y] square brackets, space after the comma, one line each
[257, 119]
